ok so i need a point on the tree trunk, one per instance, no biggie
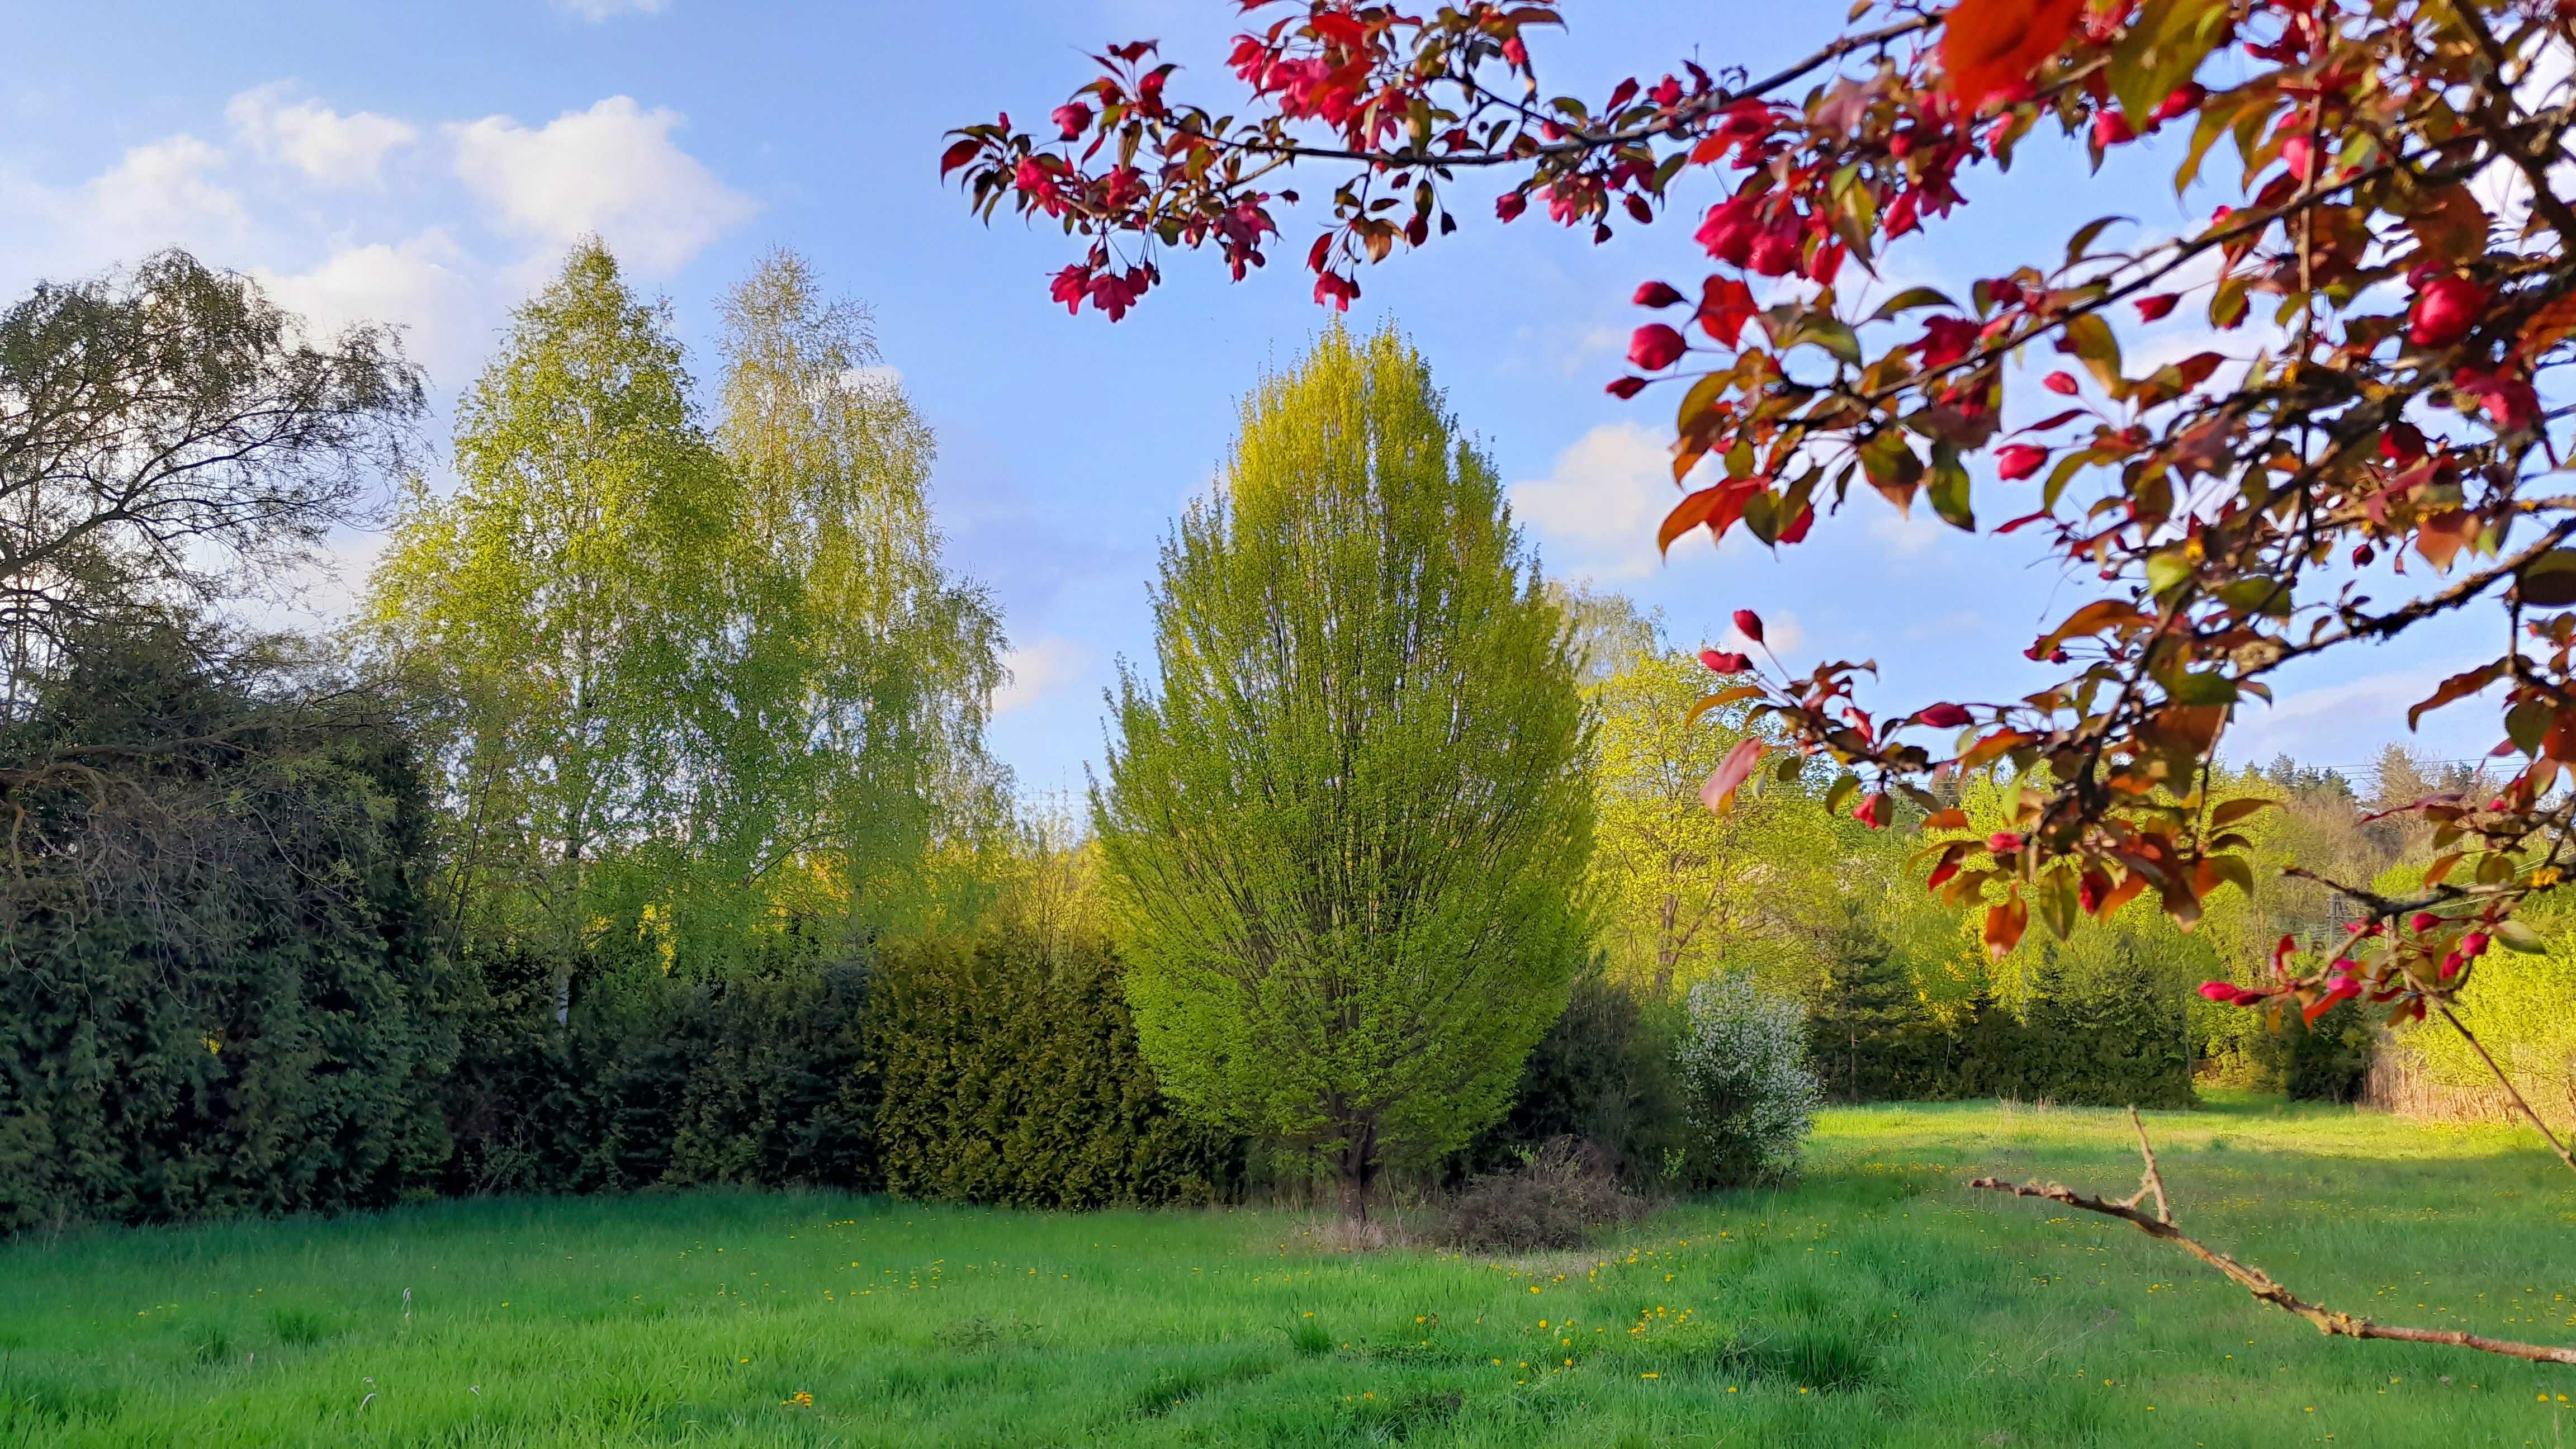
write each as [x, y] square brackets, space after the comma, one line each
[1356, 1168]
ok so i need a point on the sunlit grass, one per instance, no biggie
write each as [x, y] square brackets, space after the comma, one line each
[1881, 1303]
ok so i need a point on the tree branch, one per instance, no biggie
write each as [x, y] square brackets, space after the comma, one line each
[2254, 1280]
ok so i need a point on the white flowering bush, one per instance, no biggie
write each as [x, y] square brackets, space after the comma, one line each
[1747, 1091]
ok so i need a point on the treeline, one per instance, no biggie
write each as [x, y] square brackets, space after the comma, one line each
[640, 830]
[227, 997]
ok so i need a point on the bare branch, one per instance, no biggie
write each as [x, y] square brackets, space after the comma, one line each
[2254, 1280]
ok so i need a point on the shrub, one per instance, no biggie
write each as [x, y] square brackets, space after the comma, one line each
[1011, 1074]
[1747, 1091]
[1555, 1197]
[1603, 1074]
[220, 995]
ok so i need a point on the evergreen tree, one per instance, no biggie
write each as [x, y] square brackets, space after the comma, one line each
[1869, 1036]
[1346, 832]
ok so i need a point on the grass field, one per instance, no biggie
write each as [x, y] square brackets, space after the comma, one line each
[1881, 1303]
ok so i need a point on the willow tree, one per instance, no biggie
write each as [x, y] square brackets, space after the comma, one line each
[1347, 831]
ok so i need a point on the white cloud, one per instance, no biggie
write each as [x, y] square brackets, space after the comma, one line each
[599, 11]
[1596, 512]
[1905, 534]
[2348, 723]
[158, 195]
[1038, 671]
[611, 170]
[325, 145]
[415, 284]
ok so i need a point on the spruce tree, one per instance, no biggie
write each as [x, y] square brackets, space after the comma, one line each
[1347, 826]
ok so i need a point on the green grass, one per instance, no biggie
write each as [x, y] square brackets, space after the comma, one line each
[1882, 1303]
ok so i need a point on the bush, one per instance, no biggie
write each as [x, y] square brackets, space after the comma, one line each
[1747, 1091]
[1602, 1074]
[1011, 1074]
[220, 996]
[1557, 1195]
[759, 1080]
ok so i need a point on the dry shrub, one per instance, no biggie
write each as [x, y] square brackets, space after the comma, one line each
[1559, 1194]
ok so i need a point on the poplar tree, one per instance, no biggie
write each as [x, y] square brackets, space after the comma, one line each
[1346, 828]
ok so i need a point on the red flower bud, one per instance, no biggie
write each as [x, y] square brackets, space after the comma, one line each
[2004, 842]
[2154, 309]
[2059, 382]
[1509, 205]
[1655, 347]
[2473, 945]
[1625, 387]
[1944, 716]
[2218, 990]
[2362, 554]
[1749, 624]
[2451, 965]
[1073, 118]
[2018, 461]
[1723, 663]
[2446, 309]
[2187, 98]
[1656, 294]
[2422, 921]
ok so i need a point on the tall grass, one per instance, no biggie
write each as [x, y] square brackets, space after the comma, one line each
[1879, 1303]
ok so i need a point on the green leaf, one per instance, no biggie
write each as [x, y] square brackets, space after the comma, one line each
[2211, 687]
[2515, 936]
[2087, 234]
[1949, 488]
[1909, 299]
[2167, 571]
[2163, 46]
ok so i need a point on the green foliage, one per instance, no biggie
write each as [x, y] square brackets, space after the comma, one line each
[1346, 833]
[1747, 1091]
[220, 994]
[1684, 889]
[662, 1081]
[1603, 1074]
[169, 438]
[693, 693]
[1870, 1036]
[1011, 1074]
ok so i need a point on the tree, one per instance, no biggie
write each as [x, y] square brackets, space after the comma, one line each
[556, 610]
[169, 438]
[842, 714]
[1681, 886]
[1346, 830]
[2241, 508]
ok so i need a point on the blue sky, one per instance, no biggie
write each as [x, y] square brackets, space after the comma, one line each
[426, 165]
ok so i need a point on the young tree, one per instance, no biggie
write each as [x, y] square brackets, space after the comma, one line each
[1346, 830]
[2400, 188]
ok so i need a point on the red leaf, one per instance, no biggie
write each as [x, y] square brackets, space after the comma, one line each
[1719, 793]
[1993, 45]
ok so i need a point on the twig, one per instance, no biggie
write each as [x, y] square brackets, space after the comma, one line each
[2510, 1089]
[2252, 1279]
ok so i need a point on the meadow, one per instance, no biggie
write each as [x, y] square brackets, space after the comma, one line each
[1881, 1302]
